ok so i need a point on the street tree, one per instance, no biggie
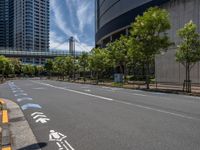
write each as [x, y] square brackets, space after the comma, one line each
[6, 67]
[148, 33]
[83, 62]
[118, 53]
[49, 67]
[99, 62]
[17, 65]
[188, 52]
[58, 66]
[28, 70]
[69, 66]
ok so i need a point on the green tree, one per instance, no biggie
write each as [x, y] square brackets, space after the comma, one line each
[28, 70]
[118, 53]
[148, 34]
[69, 66]
[49, 67]
[98, 62]
[38, 70]
[83, 62]
[63, 66]
[58, 66]
[17, 66]
[188, 52]
[6, 67]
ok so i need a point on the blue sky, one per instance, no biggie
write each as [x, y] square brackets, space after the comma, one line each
[72, 18]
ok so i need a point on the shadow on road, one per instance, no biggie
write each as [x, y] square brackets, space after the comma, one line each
[34, 146]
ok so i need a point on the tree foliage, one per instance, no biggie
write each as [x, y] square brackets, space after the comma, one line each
[83, 63]
[99, 62]
[149, 37]
[118, 53]
[188, 52]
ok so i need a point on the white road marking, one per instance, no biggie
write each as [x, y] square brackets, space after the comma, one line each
[87, 90]
[24, 99]
[139, 94]
[30, 106]
[195, 97]
[42, 120]
[87, 94]
[157, 110]
[16, 91]
[122, 102]
[60, 140]
[40, 117]
[39, 88]
[37, 113]
[20, 94]
[69, 145]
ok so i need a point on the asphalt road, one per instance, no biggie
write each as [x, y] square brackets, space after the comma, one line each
[72, 116]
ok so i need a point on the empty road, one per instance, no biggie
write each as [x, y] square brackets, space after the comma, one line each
[68, 116]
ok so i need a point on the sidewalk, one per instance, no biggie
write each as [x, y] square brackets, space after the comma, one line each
[20, 134]
[161, 87]
[5, 132]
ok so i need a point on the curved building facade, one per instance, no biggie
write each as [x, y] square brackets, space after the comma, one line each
[114, 17]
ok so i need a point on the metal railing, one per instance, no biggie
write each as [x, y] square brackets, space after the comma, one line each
[9, 52]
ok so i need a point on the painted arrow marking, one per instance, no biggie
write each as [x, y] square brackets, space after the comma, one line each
[24, 99]
[36, 113]
[42, 120]
[30, 105]
[16, 91]
[20, 94]
[40, 117]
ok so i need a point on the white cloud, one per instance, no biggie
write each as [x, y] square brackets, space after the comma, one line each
[59, 19]
[59, 43]
[84, 14]
[79, 16]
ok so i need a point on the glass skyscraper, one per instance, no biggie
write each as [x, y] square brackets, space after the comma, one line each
[24, 25]
[6, 24]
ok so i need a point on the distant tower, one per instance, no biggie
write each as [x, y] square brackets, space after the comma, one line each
[72, 46]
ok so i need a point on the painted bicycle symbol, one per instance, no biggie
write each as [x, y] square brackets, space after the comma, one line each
[60, 140]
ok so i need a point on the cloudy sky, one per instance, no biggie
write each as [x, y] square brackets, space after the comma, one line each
[72, 18]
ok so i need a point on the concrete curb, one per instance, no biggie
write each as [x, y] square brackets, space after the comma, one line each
[167, 91]
[5, 137]
[21, 133]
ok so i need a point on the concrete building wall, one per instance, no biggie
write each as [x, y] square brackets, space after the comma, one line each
[167, 69]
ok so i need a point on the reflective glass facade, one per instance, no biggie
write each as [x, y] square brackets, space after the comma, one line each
[24, 25]
[6, 23]
[115, 16]
[31, 25]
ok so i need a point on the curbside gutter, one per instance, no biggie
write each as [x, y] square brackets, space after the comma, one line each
[5, 137]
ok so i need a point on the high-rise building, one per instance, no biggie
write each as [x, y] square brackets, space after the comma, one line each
[6, 24]
[31, 25]
[114, 18]
[24, 25]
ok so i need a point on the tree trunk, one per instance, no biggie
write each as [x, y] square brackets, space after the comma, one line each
[97, 78]
[189, 82]
[147, 76]
[125, 73]
[84, 75]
